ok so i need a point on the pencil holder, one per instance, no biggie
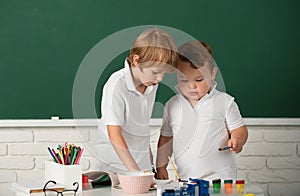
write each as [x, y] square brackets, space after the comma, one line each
[64, 174]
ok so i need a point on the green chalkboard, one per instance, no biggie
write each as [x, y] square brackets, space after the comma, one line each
[44, 45]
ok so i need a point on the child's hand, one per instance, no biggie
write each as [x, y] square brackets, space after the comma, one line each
[238, 138]
[152, 185]
[236, 144]
[162, 173]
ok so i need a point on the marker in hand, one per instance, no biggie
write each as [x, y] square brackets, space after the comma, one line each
[225, 148]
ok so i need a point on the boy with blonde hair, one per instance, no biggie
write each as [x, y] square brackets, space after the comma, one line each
[128, 98]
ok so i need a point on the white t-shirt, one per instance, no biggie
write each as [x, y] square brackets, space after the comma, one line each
[199, 132]
[126, 107]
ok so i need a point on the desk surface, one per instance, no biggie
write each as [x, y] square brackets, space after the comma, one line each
[249, 188]
[108, 191]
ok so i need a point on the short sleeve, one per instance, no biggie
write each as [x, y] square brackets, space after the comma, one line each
[234, 119]
[112, 105]
[166, 129]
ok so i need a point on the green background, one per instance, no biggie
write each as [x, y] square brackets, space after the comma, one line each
[42, 44]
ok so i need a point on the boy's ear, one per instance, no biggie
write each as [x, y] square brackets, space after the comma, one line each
[135, 59]
[214, 72]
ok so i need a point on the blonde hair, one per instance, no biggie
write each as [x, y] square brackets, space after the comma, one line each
[152, 46]
[197, 53]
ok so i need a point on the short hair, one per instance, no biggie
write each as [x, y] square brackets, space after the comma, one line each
[154, 45]
[197, 53]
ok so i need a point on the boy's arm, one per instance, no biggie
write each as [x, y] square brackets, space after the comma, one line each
[151, 155]
[121, 148]
[238, 138]
[164, 150]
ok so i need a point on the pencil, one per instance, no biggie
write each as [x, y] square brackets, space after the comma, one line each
[77, 159]
[173, 167]
[56, 156]
[61, 156]
[74, 156]
[225, 148]
[51, 153]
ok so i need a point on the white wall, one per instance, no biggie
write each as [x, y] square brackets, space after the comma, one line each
[270, 158]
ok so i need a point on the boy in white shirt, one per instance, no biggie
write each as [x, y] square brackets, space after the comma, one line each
[200, 120]
[123, 140]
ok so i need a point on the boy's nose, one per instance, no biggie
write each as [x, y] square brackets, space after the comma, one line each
[192, 85]
[160, 77]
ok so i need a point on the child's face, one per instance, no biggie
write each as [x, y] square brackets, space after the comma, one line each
[151, 75]
[194, 83]
[148, 73]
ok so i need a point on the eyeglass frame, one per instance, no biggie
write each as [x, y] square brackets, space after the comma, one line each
[60, 192]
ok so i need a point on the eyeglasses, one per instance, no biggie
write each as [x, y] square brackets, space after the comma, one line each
[51, 192]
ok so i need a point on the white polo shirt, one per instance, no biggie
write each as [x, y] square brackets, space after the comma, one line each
[199, 132]
[124, 106]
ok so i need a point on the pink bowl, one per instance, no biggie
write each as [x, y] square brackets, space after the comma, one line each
[135, 182]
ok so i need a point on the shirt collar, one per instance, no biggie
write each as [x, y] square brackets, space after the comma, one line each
[213, 90]
[129, 80]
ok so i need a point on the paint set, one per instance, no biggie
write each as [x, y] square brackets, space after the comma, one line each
[200, 187]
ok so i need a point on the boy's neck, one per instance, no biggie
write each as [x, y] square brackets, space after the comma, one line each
[141, 88]
[137, 83]
[193, 102]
